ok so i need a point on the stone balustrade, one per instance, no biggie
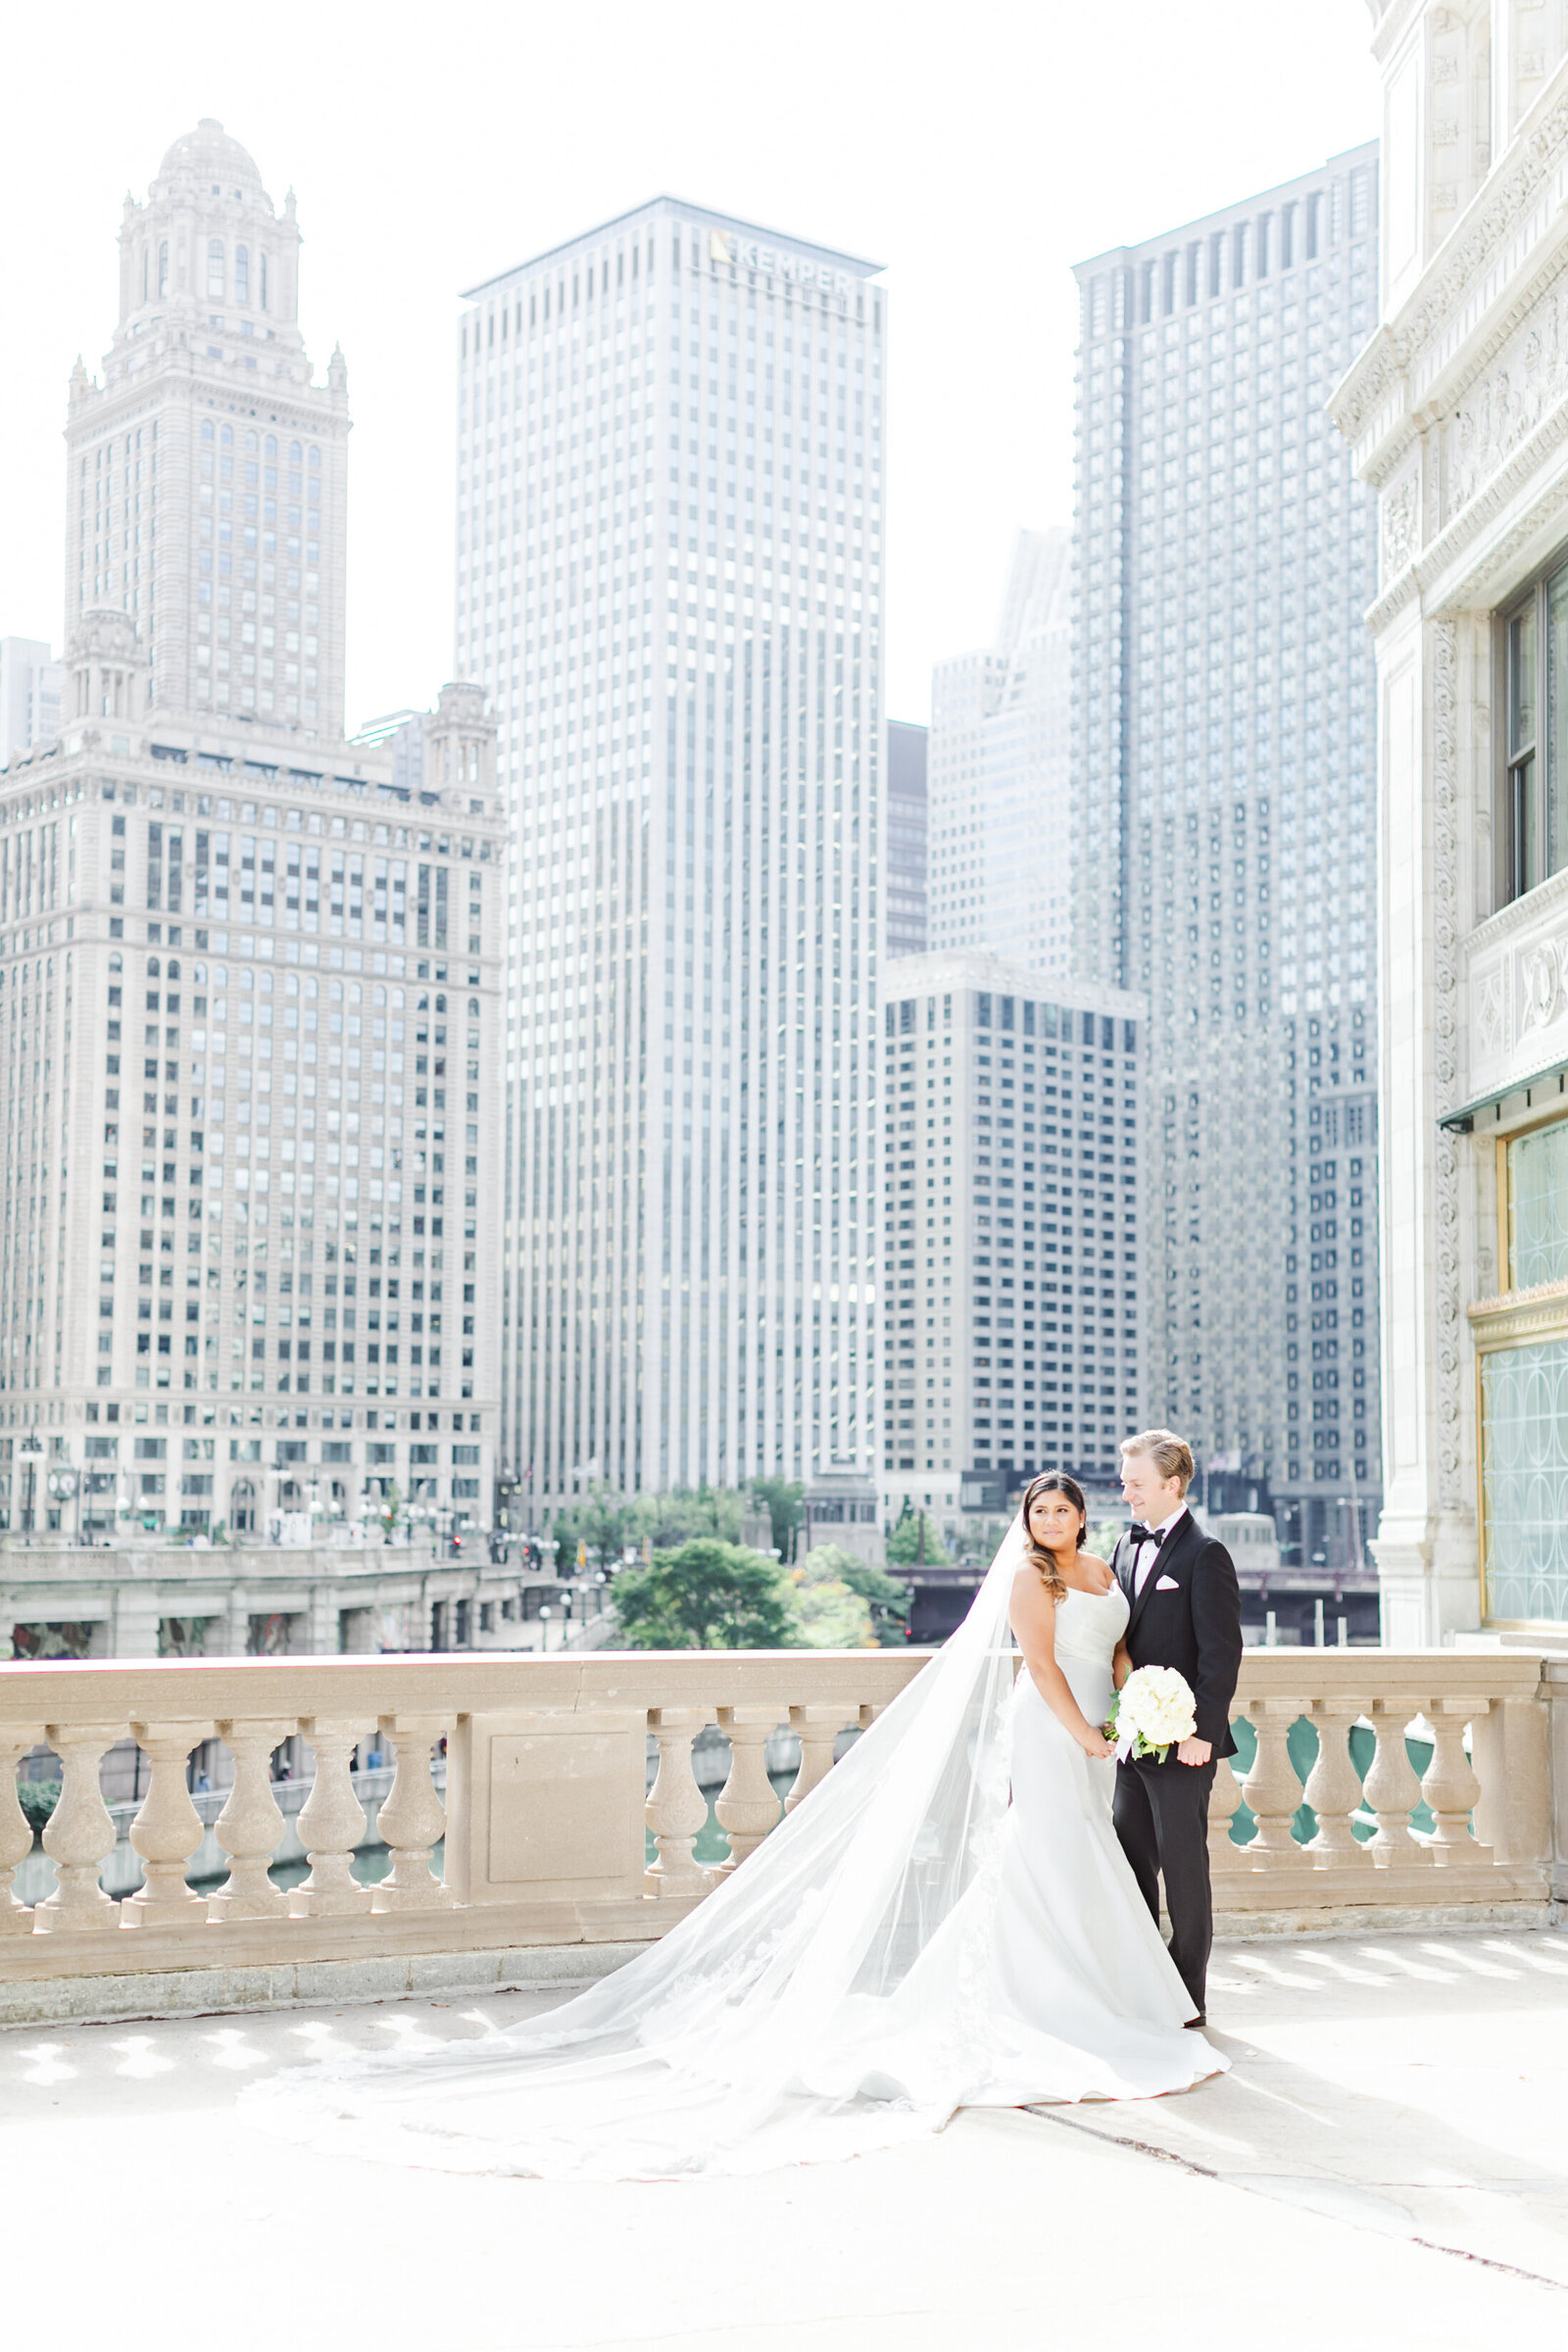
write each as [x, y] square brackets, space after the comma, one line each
[547, 1817]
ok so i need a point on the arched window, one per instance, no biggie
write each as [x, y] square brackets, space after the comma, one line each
[270, 450]
[293, 453]
[214, 267]
[242, 274]
[226, 436]
[163, 269]
[146, 272]
[315, 457]
[207, 428]
[249, 445]
[242, 1508]
[261, 274]
[154, 967]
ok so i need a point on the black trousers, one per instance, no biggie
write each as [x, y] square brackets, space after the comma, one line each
[1161, 1817]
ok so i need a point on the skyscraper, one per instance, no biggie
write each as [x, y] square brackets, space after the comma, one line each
[906, 896]
[29, 695]
[669, 580]
[205, 489]
[1223, 819]
[1000, 723]
[1010, 1221]
[252, 975]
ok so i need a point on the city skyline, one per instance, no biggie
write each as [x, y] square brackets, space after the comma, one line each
[990, 238]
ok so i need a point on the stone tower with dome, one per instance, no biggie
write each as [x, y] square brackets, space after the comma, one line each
[207, 470]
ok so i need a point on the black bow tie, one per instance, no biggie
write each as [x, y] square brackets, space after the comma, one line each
[1146, 1534]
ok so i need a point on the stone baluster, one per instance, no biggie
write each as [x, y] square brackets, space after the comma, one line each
[80, 1837]
[16, 1830]
[747, 1804]
[676, 1810]
[167, 1830]
[413, 1818]
[1333, 1788]
[1272, 1790]
[818, 1728]
[249, 1826]
[331, 1821]
[1450, 1784]
[1224, 1803]
[1392, 1790]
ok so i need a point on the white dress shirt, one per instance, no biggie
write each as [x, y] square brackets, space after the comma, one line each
[1148, 1552]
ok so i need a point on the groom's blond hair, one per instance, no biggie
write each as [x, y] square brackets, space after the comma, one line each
[1170, 1455]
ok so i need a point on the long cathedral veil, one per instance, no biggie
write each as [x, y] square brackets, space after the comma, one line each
[781, 2019]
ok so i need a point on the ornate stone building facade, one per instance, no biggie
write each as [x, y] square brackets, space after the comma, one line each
[1457, 412]
[250, 974]
[206, 471]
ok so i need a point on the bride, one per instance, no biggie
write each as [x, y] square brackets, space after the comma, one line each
[947, 1921]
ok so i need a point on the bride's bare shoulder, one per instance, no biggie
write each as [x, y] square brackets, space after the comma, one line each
[1092, 1559]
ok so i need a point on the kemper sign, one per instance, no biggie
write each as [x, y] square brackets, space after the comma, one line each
[769, 262]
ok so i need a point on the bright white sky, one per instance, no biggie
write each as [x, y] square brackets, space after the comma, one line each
[977, 151]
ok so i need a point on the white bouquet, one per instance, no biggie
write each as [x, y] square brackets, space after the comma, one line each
[1152, 1712]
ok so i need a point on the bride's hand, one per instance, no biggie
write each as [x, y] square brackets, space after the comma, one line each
[1094, 1742]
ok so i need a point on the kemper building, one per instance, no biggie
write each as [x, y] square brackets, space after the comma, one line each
[1222, 828]
[249, 986]
[1457, 413]
[669, 581]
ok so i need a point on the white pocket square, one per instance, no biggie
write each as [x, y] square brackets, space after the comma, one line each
[1166, 1583]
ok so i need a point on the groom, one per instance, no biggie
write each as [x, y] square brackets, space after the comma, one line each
[1186, 1612]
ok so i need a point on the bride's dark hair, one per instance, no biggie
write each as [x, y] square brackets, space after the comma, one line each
[1052, 1482]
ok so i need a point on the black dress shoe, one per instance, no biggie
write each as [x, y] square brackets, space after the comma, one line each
[1194, 2023]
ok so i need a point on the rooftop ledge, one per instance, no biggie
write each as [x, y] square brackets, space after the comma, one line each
[1428, 1779]
[1388, 1987]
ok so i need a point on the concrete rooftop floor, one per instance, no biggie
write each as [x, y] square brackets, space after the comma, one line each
[1389, 2154]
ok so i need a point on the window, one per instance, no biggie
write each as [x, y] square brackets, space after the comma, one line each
[1524, 1481]
[242, 274]
[1533, 832]
[1537, 1196]
[163, 269]
[214, 267]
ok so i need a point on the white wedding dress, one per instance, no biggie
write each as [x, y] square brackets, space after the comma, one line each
[947, 1921]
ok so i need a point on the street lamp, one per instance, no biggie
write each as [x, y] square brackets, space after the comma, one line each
[544, 1624]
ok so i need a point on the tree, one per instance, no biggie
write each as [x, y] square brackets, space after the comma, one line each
[705, 1595]
[389, 1510]
[601, 1522]
[916, 1537]
[784, 1501]
[667, 1520]
[886, 1598]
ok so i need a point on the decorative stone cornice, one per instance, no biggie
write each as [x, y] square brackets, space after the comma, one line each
[1516, 1316]
[1471, 250]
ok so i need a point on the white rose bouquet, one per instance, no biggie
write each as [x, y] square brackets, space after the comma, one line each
[1153, 1711]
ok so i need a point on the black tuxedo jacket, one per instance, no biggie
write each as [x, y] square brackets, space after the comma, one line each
[1189, 1615]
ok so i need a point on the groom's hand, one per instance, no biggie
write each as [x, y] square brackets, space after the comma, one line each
[1195, 1752]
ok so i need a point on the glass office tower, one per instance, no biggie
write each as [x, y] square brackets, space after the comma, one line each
[1223, 822]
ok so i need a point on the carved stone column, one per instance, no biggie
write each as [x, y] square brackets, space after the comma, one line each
[413, 1818]
[1450, 1784]
[818, 1728]
[1224, 1803]
[1272, 1790]
[250, 1828]
[676, 1809]
[80, 1837]
[331, 1821]
[16, 1830]
[167, 1832]
[748, 1806]
[1391, 1788]
[1333, 1788]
